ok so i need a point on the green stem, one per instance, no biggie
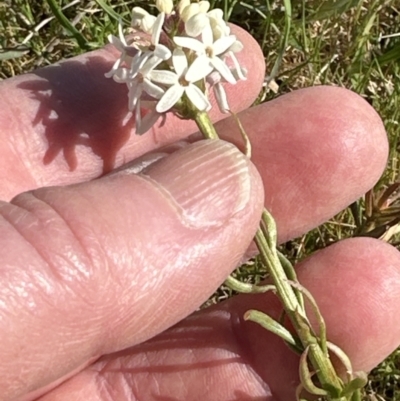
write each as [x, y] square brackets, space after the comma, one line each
[291, 298]
[205, 125]
[320, 360]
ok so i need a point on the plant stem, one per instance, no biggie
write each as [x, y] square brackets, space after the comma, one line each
[292, 300]
[205, 125]
[320, 360]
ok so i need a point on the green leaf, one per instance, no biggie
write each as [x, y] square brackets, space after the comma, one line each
[271, 325]
[331, 8]
[391, 55]
[110, 11]
[13, 53]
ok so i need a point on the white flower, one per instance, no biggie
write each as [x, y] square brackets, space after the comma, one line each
[160, 51]
[208, 51]
[144, 124]
[214, 80]
[188, 10]
[142, 20]
[165, 6]
[181, 82]
[196, 23]
[139, 81]
[127, 52]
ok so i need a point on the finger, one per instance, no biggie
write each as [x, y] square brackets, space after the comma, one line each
[67, 123]
[97, 267]
[318, 150]
[215, 355]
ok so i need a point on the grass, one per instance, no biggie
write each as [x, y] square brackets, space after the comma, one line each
[350, 43]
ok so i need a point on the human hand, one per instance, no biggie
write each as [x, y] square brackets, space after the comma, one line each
[93, 274]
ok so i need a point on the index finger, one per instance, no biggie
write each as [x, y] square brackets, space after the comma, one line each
[67, 123]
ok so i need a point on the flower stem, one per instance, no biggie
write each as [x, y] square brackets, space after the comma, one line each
[295, 311]
[290, 293]
[205, 125]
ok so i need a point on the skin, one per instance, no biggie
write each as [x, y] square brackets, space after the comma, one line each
[97, 291]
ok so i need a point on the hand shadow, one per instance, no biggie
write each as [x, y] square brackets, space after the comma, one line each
[78, 105]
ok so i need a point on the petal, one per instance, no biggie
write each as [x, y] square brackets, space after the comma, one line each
[147, 122]
[189, 11]
[114, 68]
[153, 90]
[237, 47]
[223, 44]
[223, 69]
[147, 24]
[182, 5]
[190, 43]
[163, 77]
[138, 114]
[179, 62]
[162, 52]
[137, 16]
[170, 97]
[165, 6]
[197, 97]
[207, 36]
[157, 27]
[139, 12]
[121, 34]
[137, 62]
[220, 96]
[135, 91]
[116, 42]
[199, 69]
[216, 13]
[204, 6]
[195, 25]
[121, 75]
[239, 72]
[149, 66]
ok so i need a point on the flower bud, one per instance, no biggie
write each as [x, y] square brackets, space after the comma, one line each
[142, 20]
[204, 6]
[182, 5]
[165, 6]
[189, 11]
[195, 25]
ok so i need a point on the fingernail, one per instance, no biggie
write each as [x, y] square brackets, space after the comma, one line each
[138, 165]
[209, 181]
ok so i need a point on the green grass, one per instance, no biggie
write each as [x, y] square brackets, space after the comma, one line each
[349, 43]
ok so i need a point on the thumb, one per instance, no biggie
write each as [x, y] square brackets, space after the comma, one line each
[93, 268]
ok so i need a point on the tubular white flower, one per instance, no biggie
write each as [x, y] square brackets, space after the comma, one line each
[158, 50]
[197, 19]
[208, 51]
[214, 80]
[196, 24]
[218, 25]
[221, 98]
[188, 10]
[181, 82]
[165, 6]
[127, 52]
[144, 124]
[238, 72]
[139, 81]
[154, 49]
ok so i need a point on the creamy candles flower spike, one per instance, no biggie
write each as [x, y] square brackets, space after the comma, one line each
[173, 59]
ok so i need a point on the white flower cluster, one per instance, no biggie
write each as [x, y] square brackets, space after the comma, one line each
[173, 58]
